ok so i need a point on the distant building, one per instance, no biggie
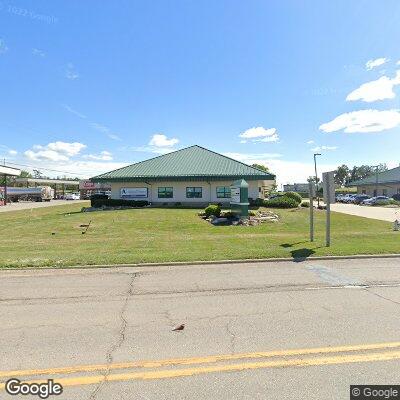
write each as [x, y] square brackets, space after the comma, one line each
[193, 175]
[296, 187]
[385, 183]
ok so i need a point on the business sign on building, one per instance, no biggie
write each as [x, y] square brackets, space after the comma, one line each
[89, 185]
[134, 193]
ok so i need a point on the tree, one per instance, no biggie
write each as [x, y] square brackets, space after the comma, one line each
[25, 174]
[342, 175]
[260, 166]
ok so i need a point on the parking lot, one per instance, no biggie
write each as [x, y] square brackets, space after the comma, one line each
[27, 205]
[381, 213]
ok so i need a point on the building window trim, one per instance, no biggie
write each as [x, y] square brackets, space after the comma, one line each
[194, 192]
[165, 192]
[223, 192]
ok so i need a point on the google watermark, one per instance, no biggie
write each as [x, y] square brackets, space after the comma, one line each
[43, 390]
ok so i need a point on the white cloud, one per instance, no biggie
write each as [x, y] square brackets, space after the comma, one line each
[363, 121]
[38, 52]
[56, 151]
[158, 144]
[104, 129]
[259, 134]
[104, 155]
[322, 148]
[12, 152]
[153, 149]
[99, 127]
[113, 136]
[70, 72]
[379, 89]
[375, 63]
[286, 171]
[251, 158]
[398, 62]
[3, 47]
[310, 142]
[159, 140]
[72, 111]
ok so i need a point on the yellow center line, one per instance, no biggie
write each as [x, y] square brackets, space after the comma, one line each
[175, 373]
[198, 360]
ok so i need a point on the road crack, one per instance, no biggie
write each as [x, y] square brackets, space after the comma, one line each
[121, 337]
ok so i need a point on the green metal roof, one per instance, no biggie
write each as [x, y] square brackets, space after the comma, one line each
[191, 163]
[389, 176]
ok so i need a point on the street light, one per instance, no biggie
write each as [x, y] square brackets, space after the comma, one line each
[316, 175]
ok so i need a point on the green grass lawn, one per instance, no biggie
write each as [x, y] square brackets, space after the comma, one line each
[162, 235]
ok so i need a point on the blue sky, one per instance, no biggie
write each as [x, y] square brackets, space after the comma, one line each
[90, 86]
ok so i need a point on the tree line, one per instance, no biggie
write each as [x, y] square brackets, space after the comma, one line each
[345, 175]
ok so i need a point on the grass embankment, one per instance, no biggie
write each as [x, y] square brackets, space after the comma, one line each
[164, 235]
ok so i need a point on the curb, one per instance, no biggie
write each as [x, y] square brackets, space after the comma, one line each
[211, 262]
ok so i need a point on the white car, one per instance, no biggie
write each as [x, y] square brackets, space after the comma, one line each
[72, 196]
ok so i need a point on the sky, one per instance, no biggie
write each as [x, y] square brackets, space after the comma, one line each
[89, 86]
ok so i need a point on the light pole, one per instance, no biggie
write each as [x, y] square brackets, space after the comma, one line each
[316, 175]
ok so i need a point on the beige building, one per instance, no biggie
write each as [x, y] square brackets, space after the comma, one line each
[193, 175]
[386, 183]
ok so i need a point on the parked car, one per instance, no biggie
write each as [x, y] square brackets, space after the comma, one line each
[72, 196]
[348, 198]
[360, 198]
[339, 198]
[376, 201]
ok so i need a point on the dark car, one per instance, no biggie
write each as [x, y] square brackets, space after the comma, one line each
[360, 198]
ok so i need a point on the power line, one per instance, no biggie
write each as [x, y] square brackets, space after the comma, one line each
[46, 169]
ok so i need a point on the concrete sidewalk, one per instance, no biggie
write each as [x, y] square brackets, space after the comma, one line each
[381, 213]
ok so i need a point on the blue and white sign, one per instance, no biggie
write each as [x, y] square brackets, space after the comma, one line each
[134, 193]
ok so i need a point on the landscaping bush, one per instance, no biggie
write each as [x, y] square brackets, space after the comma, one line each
[295, 196]
[396, 197]
[305, 204]
[281, 202]
[213, 209]
[256, 202]
[98, 203]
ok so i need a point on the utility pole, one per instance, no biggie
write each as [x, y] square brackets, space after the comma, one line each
[316, 175]
[376, 178]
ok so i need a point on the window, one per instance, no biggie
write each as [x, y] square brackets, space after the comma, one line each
[165, 192]
[364, 191]
[194, 192]
[223, 192]
[384, 192]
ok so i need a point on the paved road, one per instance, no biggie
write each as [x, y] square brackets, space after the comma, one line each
[381, 213]
[27, 205]
[253, 331]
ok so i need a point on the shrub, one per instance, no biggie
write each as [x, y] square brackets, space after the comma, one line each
[281, 202]
[305, 204]
[213, 209]
[396, 197]
[295, 196]
[256, 202]
[98, 203]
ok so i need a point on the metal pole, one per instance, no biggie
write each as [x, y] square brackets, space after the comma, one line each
[5, 190]
[328, 210]
[316, 175]
[310, 189]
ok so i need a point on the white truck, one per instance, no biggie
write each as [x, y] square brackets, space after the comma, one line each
[42, 193]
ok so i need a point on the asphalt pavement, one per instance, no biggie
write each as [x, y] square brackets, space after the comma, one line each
[277, 330]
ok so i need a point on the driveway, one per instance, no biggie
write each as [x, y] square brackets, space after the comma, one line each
[27, 205]
[381, 213]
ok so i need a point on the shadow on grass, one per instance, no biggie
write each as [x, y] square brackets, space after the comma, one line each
[301, 255]
[288, 245]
